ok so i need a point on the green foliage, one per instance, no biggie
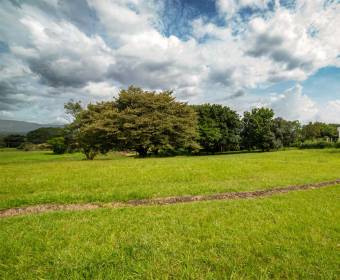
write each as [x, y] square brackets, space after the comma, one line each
[219, 128]
[288, 133]
[2, 141]
[150, 121]
[73, 108]
[319, 130]
[337, 145]
[14, 140]
[26, 146]
[58, 145]
[96, 129]
[42, 135]
[137, 120]
[258, 130]
[155, 123]
[317, 144]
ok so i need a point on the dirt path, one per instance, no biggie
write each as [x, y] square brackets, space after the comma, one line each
[42, 208]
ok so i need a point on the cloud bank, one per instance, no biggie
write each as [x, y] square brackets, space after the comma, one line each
[52, 51]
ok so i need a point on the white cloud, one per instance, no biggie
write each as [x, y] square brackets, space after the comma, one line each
[101, 89]
[229, 7]
[294, 105]
[330, 113]
[62, 55]
[60, 59]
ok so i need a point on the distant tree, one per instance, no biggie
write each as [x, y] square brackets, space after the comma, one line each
[58, 145]
[311, 131]
[144, 121]
[42, 135]
[329, 131]
[219, 128]
[319, 130]
[14, 140]
[257, 132]
[287, 132]
[153, 122]
[2, 141]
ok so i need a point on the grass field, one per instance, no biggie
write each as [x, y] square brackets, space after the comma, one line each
[291, 236]
[29, 178]
[287, 236]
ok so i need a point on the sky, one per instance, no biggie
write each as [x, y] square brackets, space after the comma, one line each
[282, 54]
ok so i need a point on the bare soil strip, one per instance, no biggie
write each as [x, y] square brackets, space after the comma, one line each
[42, 208]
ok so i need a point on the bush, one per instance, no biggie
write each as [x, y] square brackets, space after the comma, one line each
[14, 140]
[34, 147]
[337, 145]
[316, 145]
[58, 145]
[2, 141]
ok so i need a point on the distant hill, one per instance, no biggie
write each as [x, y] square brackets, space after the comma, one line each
[21, 127]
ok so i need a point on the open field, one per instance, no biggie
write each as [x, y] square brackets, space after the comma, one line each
[288, 236]
[291, 236]
[29, 178]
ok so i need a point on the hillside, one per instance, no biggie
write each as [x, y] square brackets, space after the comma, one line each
[20, 127]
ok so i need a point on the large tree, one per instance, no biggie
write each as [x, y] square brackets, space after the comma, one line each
[257, 132]
[153, 122]
[93, 129]
[219, 128]
[286, 132]
[143, 121]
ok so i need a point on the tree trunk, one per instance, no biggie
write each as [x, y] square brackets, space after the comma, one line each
[90, 154]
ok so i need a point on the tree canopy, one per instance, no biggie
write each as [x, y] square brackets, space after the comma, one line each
[150, 122]
[219, 128]
[257, 132]
[14, 140]
[143, 121]
[287, 133]
[43, 134]
[318, 130]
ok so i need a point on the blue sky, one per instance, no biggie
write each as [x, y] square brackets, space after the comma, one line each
[283, 54]
[322, 86]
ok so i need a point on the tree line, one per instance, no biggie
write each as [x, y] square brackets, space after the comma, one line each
[152, 123]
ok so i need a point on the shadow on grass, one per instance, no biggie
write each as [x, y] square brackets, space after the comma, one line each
[202, 154]
[120, 155]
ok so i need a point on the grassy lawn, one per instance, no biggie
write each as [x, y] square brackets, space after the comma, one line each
[291, 236]
[29, 178]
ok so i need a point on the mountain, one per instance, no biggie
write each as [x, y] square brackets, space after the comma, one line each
[21, 127]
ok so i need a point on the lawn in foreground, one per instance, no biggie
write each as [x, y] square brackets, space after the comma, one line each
[290, 236]
[28, 178]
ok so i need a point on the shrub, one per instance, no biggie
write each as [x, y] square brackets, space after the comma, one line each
[316, 145]
[58, 145]
[337, 145]
[34, 147]
[14, 140]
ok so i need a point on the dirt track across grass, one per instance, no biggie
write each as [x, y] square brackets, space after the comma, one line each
[35, 209]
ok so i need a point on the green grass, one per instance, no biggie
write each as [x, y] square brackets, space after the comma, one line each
[290, 236]
[28, 178]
